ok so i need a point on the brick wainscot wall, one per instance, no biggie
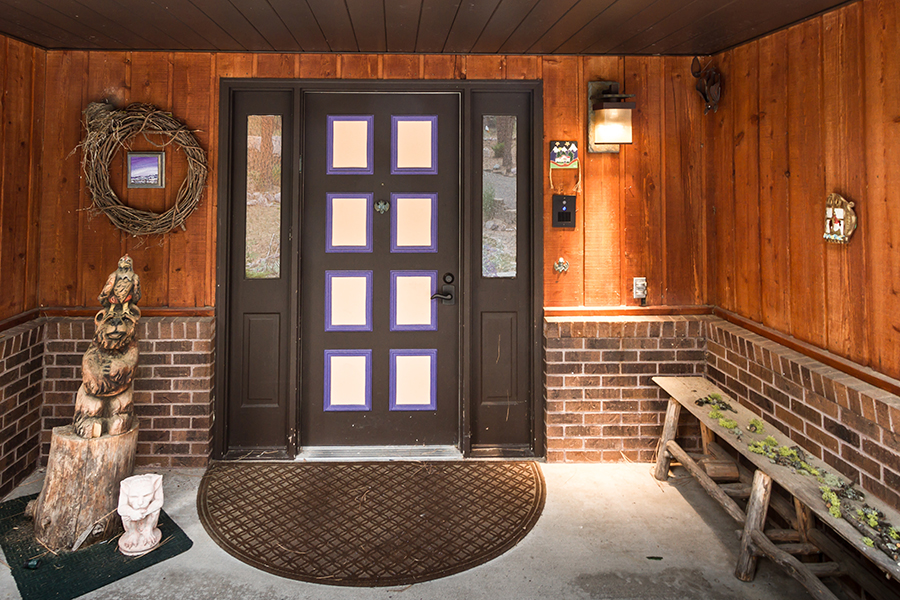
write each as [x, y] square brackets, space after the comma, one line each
[850, 424]
[21, 373]
[601, 402]
[173, 386]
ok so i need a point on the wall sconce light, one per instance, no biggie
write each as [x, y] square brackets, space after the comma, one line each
[609, 117]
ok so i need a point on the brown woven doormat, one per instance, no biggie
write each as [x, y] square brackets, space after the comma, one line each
[369, 524]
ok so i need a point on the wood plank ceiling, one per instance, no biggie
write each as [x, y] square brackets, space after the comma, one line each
[673, 27]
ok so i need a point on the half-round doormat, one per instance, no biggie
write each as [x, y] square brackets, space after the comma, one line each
[369, 524]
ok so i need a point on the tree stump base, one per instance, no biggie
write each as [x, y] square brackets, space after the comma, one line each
[77, 505]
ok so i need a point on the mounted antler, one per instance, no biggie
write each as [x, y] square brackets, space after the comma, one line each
[709, 85]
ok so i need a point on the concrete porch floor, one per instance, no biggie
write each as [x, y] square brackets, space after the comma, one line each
[600, 524]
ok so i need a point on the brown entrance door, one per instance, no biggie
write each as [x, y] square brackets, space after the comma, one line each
[380, 269]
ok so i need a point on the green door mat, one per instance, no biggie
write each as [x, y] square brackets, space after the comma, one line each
[72, 574]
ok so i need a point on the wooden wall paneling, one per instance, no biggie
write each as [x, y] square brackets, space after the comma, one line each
[720, 188]
[745, 87]
[59, 29]
[368, 24]
[361, 66]
[233, 64]
[32, 268]
[614, 25]
[102, 243]
[402, 66]
[485, 67]
[151, 33]
[602, 204]
[60, 272]
[644, 254]
[285, 66]
[470, 21]
[300, 20]
[498, 21]
[444, 66]
[671, 23]
[685, 226]
[151, 83]
[334, 21]
[402, 25]
[212, 179]
[189, 259]
[265, 21]
[319, 66]
[5, 203]
[562, 121]
[523, 67]
[563, 15]
[880, 227]
[572, 23]
[774, 173]
[219, 22]
[845, 168]
[807, 182]
[434, 24]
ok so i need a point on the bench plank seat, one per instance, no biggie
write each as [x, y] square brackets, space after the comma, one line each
[805, 488]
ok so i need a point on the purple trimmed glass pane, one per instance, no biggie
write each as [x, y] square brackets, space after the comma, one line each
[419, 148]
[347, 382]
[401, 318]
[403, 227]
[347, 234]
[349, 300]
[424, 391]
[344, 159]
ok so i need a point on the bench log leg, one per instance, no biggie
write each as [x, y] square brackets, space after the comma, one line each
[707, 437]
[757, 507]
[804, 519]
[663, 458]
[792, 566]
[711, 487]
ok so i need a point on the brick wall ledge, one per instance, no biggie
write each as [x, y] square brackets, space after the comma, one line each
[850, 424]
[146, 311]
[595, 311]
[866, 374]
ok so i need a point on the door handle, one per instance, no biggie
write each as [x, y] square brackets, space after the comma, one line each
[446, 295]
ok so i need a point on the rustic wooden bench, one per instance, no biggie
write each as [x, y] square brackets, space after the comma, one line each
[800, 513]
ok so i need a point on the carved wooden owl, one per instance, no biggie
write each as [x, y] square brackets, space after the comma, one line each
[123, 286]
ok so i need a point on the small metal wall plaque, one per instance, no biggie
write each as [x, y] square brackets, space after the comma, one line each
[840, 219]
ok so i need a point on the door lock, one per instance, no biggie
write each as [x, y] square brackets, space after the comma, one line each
[447, 295]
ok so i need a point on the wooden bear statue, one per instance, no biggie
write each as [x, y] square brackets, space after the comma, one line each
[103, 405]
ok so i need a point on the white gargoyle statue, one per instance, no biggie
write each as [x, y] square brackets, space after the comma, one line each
[140, 500]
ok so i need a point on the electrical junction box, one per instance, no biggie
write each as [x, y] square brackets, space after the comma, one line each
[563, 211]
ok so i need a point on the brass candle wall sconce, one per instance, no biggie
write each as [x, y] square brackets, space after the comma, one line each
[840, 219]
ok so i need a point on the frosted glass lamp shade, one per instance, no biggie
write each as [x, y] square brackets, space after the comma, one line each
[611, 126]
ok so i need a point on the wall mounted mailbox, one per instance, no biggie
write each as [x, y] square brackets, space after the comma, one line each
[563, 211]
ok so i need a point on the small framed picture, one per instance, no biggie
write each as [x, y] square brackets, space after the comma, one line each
[146, 169]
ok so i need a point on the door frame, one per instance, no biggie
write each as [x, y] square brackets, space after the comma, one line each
[227, 89]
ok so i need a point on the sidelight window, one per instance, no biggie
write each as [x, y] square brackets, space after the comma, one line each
[498, 196]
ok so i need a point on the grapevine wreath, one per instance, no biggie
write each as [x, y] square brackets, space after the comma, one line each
[108, 130]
